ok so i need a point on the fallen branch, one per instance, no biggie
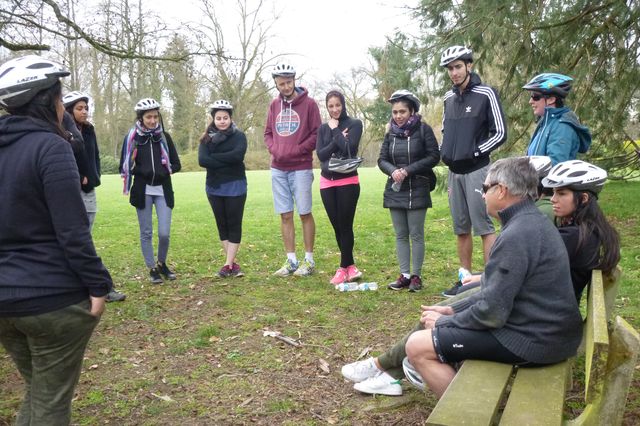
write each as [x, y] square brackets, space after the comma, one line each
[280, 336]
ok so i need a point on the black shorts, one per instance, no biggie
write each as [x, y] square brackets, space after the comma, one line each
[456, 344]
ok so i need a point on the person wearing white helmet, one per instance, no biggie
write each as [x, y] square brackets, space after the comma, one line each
[147, 161]
[339, 137]
[592, 242]
[290, 136]
[525, 312]
[76, 105]
[53, 284]
[221, 152]
[559, 133]
[473, 126]
[407, 156]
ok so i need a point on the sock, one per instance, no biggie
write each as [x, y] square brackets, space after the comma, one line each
[406, 275]
[308, 256]
[292, 257]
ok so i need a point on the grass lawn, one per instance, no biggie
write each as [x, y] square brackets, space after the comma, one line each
[192, 351]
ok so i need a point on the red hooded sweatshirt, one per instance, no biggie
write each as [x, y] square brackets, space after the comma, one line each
[291, 131]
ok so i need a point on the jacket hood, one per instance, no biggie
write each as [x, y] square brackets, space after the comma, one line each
[582, 131]
[302, 94]
[14, 127]
[474, 80]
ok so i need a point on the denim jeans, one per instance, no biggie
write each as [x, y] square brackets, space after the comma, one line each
[48, 350]
[145, 220]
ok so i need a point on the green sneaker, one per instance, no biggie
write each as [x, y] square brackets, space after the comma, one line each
[305, 268]
[288, 268]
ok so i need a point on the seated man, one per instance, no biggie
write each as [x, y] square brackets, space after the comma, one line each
[524, 314]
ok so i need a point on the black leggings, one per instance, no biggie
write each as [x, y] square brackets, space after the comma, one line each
[340, 203]
[228, 212]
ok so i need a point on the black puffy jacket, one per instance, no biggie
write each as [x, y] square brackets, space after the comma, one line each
[417, 154]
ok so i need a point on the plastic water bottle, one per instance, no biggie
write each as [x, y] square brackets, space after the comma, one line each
[463, 273]
[396, 186]
[357, 287]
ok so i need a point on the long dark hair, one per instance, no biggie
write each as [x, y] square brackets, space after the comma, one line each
[43, 107]
[589, 218]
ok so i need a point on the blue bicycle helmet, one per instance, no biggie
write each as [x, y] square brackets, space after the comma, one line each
[550, 84]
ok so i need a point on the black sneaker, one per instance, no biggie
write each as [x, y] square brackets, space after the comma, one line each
[400, 283]
[453, 290]
[415, 283]
[155, 277]
[115, 296]
[165, 271]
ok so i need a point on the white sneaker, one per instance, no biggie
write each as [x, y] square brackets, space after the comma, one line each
[360, 370]
[382, 384]
[305, 268]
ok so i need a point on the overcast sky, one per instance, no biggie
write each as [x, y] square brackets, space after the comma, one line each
[324, 36]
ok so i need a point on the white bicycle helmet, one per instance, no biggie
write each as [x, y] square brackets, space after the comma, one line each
[221, 104]
[23, 78]
[406, 95]
[454, 53]
[146, 104]
[412, 374]
[576, 175]
[73, 97]
[541, 163]
[283, 69]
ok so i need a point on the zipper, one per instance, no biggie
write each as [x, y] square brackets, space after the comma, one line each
[409, 162]
[153, 166]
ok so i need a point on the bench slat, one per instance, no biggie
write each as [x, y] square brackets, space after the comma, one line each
[597, 339]
[527, 397]
[473, 396]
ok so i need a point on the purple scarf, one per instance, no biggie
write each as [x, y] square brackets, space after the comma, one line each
[131, 150]
[407, 128]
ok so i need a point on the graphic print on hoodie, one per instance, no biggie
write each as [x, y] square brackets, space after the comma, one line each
[291, 131]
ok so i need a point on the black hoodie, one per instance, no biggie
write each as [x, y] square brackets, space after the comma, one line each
[47, 257]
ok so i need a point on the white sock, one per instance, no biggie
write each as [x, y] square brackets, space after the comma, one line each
[292, 257]
[406, 275]
[308, 256]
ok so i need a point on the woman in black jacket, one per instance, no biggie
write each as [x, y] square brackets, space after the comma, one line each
[221, 152]
[53, 284]
[340, 137]
[408, 154]
[149, 158]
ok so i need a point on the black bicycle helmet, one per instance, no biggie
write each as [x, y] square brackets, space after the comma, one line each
[550, 84]
[406, 95]
[23, 78]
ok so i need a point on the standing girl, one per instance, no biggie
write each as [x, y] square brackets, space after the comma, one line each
[76, 105]
[148, 158]
[53, 284]
[408, 154]
[340, 137]
[221, 152]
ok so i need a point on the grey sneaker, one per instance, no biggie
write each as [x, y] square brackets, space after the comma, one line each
[115, 296]
[305, 268]
[288, 268]
[360, 370]
[382, 384]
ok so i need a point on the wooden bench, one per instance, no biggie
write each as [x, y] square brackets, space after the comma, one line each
[489, 393]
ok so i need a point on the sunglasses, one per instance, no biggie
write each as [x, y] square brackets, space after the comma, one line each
[487, 186]
[536, 97]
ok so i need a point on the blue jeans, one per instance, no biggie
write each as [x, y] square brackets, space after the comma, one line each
[145, 220]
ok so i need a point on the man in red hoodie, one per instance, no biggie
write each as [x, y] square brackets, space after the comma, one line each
[290, 135]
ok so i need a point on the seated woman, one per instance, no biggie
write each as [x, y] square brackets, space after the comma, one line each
[381, 375]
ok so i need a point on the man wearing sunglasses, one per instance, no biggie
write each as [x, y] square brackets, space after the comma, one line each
[559, 134]
[473, 126]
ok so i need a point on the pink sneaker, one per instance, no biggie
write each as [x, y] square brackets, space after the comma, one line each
[353, 273]
[340, 276]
